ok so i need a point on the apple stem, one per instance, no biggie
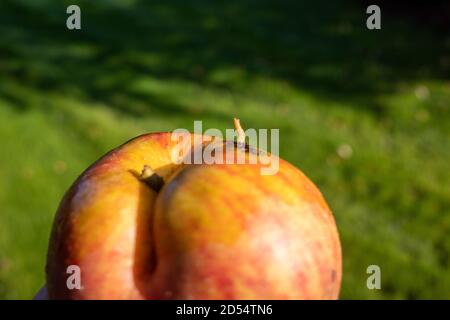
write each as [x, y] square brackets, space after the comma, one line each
[147, 172]
[240, 132]
[150, 178]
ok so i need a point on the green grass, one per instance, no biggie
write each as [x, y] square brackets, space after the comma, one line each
[310, 69]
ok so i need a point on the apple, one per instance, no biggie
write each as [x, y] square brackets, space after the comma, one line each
[139, 226]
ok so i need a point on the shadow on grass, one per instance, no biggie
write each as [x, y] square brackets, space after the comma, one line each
[319, 47]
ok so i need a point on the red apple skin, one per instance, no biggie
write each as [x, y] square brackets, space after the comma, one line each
[212, 232]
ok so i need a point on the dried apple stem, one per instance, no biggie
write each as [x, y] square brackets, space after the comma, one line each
[150, 178]
[147, 172]
[240, 132]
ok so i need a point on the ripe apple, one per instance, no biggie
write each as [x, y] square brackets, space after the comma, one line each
[140, 226]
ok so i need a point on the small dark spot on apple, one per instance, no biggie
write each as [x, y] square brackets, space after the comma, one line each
[333, 275]
[168, 293]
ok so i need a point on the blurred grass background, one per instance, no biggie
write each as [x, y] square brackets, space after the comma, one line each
[365, 114]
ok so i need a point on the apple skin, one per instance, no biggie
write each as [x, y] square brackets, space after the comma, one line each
[220, 231]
